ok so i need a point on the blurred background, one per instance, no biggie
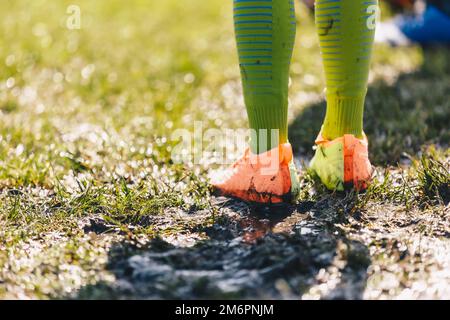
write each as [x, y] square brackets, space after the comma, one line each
[145, 68]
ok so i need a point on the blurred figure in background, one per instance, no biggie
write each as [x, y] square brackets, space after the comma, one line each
[420, 21]
[396, 4]
[428, 23]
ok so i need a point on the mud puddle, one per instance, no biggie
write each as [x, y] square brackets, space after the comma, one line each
[251, 252]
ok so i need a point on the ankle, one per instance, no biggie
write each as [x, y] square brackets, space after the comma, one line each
[265, 140]
[344, 116]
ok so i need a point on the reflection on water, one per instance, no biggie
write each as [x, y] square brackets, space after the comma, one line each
[262, 220]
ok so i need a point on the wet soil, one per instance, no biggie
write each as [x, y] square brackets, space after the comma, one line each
[314, 250]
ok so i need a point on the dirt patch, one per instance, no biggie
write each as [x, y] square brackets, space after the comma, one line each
[249, 253]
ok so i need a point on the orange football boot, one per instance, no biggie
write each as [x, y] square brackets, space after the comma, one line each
[269, 177]
[342, 162]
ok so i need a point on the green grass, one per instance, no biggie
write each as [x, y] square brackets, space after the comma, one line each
[87, 116]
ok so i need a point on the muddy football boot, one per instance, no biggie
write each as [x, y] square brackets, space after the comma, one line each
[342, 163]
[269, 177]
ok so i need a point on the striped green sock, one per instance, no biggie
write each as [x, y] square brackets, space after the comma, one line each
[265, 34]
[346, 31]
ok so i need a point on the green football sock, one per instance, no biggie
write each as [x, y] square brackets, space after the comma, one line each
[346, 31]
[265, 34]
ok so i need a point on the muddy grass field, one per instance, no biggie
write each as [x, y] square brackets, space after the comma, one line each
[92, 206]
